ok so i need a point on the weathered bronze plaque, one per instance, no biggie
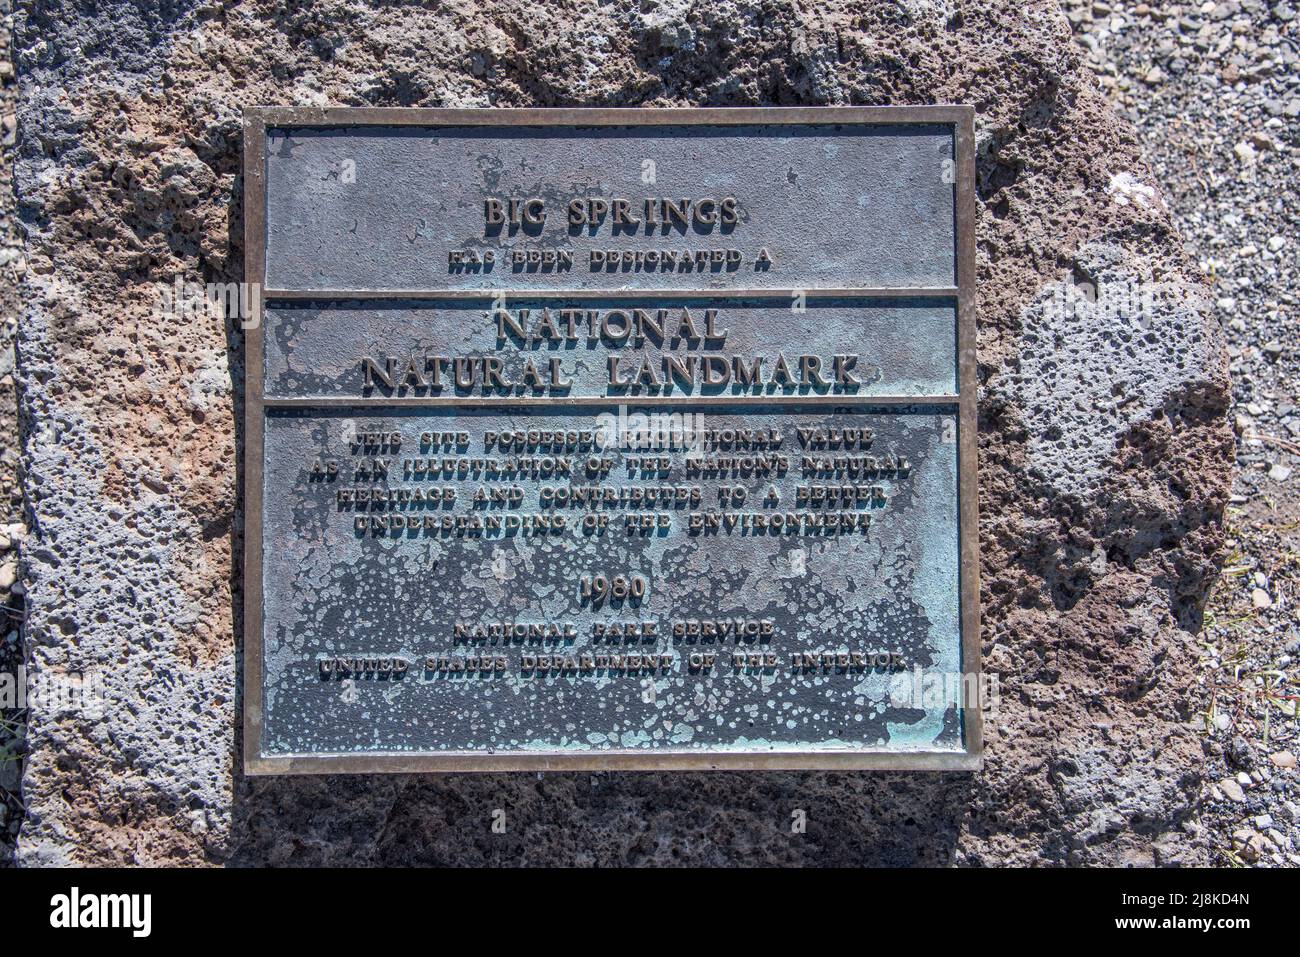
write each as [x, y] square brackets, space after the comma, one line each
[610, 439]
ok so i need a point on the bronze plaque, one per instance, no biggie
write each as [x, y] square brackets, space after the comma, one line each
[610, 439]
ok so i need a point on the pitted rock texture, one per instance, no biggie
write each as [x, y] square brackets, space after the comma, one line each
[1093, 565]
[1098, 356]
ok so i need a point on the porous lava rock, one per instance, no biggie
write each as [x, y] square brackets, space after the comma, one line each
[1104, 452]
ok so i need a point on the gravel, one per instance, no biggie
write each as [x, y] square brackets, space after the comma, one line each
[1213, 90]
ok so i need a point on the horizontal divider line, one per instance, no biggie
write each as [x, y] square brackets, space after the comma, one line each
[558, 402]
[882, 292]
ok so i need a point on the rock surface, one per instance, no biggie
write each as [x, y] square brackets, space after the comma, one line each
[1099, 525]
[1219, 127]
[12, 719]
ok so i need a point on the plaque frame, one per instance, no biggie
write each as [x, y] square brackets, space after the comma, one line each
[256, 121]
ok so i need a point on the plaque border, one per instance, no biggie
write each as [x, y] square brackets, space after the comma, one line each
[256, 120]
